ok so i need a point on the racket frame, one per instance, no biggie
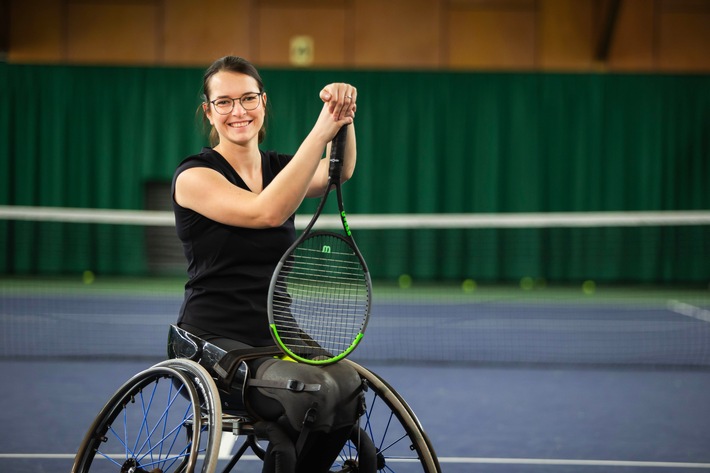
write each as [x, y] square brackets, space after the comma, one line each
[337, 154]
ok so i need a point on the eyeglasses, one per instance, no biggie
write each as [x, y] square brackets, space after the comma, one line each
[225, 105]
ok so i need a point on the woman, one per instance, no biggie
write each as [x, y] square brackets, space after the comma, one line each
[234, 208]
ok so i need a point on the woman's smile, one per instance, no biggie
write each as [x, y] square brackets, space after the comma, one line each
[239, 124]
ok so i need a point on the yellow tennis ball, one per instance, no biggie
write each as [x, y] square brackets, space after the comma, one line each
[405, 281]
[88, 277]
[589, 287]
[527, 283]
[468, 285]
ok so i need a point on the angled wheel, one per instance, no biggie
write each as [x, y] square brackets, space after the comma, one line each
[210, 407]
[399, 441]
[153, 423]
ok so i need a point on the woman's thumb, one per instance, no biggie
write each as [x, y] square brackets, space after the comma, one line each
[325, 95]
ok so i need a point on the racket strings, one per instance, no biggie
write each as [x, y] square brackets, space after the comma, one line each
[322, 298]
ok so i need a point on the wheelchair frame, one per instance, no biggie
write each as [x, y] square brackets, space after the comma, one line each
[169, 418]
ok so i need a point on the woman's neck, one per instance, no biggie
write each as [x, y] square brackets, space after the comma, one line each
[238, 154]
[246, 161]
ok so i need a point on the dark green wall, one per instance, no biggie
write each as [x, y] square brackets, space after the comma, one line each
[428, 142]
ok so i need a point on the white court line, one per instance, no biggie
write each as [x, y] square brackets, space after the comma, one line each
[49, 456]
[461, 460]
[547, 461]
[689, 310]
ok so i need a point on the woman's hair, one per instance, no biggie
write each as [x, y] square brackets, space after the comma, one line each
[229, 64]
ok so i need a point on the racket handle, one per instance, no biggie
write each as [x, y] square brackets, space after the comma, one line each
[337, 154]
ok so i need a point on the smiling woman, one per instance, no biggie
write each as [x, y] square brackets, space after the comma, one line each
[234, 210]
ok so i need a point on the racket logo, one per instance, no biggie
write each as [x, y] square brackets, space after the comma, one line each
[325, 249]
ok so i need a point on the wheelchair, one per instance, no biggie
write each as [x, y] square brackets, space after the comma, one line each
[172, 417]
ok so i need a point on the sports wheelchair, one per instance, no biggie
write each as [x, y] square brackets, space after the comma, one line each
[172, 417]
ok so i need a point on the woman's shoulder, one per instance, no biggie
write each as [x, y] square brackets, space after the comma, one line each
[206, 157]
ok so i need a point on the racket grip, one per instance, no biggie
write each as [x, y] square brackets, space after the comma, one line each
[337, 153]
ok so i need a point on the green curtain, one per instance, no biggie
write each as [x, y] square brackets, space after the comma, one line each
[428, 142]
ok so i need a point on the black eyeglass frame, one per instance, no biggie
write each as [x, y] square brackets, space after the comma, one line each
[237, 99]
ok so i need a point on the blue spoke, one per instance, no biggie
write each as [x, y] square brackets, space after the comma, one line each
[171, 458]
[158, 421]
[165, 419]
[186, 416]
[161, 441]
[179, 456]
[145, 416]
[387, 429]
[108, 458]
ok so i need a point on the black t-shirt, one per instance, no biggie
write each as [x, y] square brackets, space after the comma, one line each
[230, 268]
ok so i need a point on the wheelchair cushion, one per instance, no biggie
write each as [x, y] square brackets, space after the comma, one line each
[336, 404]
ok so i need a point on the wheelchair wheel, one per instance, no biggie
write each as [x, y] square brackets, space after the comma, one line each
[400, 442]
[154, 423]
[210, 406]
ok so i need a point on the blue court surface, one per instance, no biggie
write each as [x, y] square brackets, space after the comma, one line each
[479, 419]
[524, 411]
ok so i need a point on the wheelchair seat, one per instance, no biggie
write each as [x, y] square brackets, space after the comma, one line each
[183, 344]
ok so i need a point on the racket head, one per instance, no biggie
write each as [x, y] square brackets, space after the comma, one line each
[319, 299]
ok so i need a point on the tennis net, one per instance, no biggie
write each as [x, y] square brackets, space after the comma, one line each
[622, 289]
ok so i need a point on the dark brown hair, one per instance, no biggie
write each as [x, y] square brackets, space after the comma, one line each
[230, 64]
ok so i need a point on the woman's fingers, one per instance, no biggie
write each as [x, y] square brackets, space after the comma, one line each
[341, 99]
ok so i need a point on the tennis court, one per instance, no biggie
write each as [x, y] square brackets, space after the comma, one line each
[503, 378]
[534, 212]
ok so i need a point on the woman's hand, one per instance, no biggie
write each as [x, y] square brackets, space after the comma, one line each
[341, 99]
[339, 104]
[338, 110]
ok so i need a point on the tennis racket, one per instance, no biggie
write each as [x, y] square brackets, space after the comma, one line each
[320, 293]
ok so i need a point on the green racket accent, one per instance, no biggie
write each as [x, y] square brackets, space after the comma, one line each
[344, 219]
[311, 361]
[320, 299]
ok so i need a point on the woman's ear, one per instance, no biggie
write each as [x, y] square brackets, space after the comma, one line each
[206, 111]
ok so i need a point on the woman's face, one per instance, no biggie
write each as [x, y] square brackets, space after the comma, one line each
[238, 126]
